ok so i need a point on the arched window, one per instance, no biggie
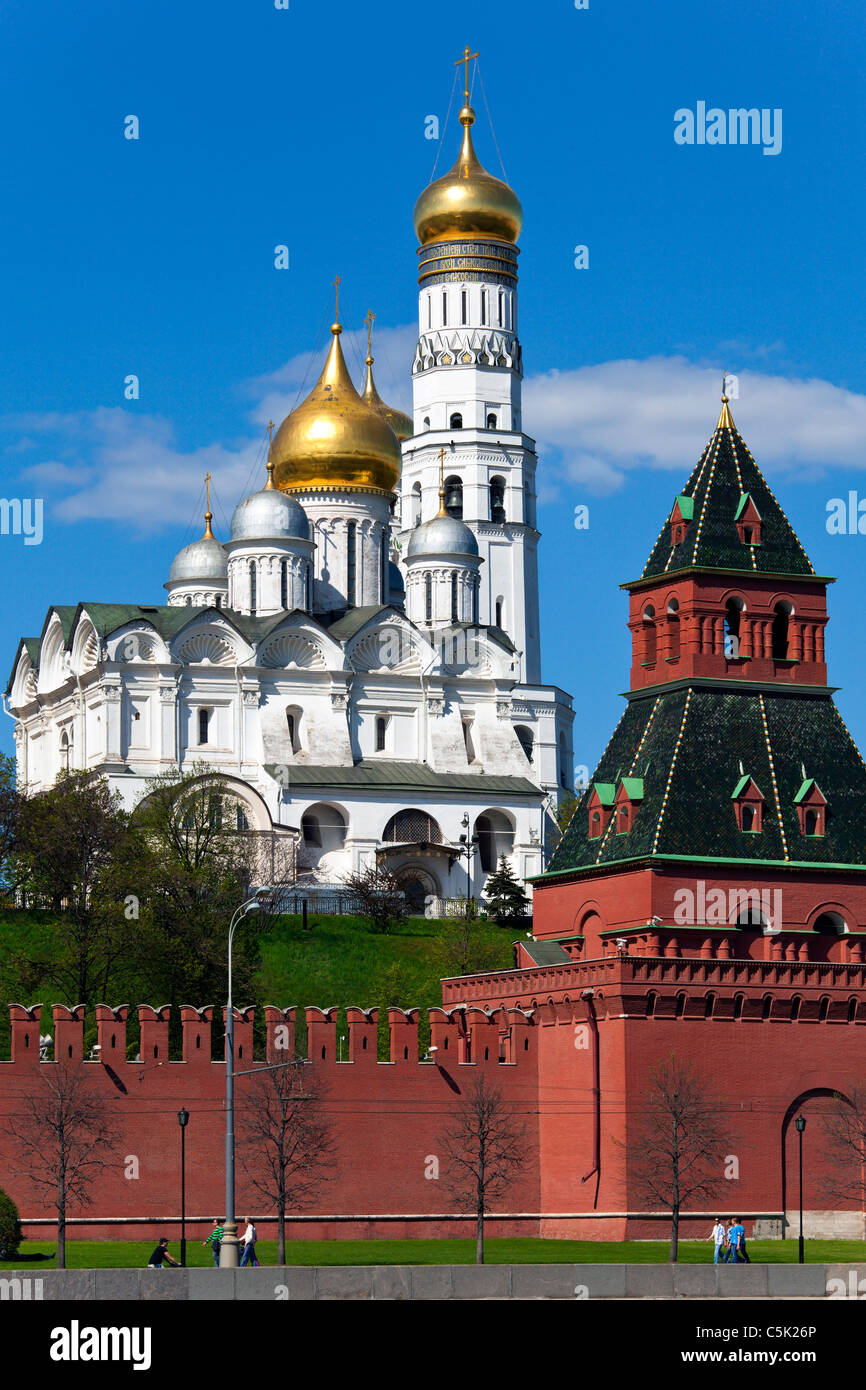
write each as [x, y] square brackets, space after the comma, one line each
[456, 421]
[464, 307]
[415, 505]
[525, 739]
[219, 600]
[444, 308]
[595, 825]
[709, 1001]
[739, 1000]
[323, 827]
[64, 751]
[832, 923]
[500, 612]
[497, 499]
[454, 613]
[748, 817]
[680, 1007]
[188, 601]
[484, 306]
[381, 732]
[795, 1008]
[351, 561]
[650, 1005]
[412, 826]
[782, 613]
[563, 761]
[811, 821]
[766, 1007]
[454, 497]
[501, 308]
[203, 722]
[623, 821]
[495, 838]
[733, 609]
[429, 311]
[674, 630]
[253, 592]
[293, 726]
[241, 820]
[467, 740]
[823, 1008]
[426, 422]
[649, 635]
[491, 421]
[284, 583]
[428, 599]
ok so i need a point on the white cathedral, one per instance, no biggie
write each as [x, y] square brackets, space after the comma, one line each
[360, 658]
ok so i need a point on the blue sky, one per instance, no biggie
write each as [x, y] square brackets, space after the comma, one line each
[306, 127]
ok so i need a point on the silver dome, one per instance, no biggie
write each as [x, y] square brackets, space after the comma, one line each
[269, 515]
[443, 535]
[203, 559]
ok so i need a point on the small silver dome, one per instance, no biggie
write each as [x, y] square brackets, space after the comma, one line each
[443, 535]
[269, 515]
[203, 559]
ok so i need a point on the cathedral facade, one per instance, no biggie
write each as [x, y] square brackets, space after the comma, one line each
[360, 656]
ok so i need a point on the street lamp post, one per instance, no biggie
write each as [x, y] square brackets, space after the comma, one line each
[229, 1244]
[183, 1121]
[467, 847]
[800, 1124]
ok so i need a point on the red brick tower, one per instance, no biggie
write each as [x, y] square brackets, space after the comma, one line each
[708, 898]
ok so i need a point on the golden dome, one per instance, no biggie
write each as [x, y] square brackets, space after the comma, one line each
[467, 202]
[333, 439]
[400, 423]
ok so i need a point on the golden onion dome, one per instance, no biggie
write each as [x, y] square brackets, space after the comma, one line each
[467, 202]
[333, 439]
[400, 423]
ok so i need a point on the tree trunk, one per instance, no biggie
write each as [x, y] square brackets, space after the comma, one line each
[479, 1238]
[675, 1234]
[281, 1233]
[61, 1229]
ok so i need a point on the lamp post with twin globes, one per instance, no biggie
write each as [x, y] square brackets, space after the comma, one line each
[229, 1243]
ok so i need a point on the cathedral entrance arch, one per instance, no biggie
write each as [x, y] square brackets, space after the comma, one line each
[418, 884]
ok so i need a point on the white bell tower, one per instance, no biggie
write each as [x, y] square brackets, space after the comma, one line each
[467, 375]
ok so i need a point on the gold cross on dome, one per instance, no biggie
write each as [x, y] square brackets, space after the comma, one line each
[468, 55]
[271, 428]
[337, 297]
[369, 323]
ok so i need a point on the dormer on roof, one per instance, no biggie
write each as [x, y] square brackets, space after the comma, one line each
[748, 520]
[811, 805]
[682, 514]
[628, 798]
[748, 802]
[600, 807]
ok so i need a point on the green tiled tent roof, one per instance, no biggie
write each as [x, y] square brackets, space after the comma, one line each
[687, 745]
[725, 474]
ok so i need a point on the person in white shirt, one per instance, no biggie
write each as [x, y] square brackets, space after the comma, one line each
[719, 1236]
[250, 1238]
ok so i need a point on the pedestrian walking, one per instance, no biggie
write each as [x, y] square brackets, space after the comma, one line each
[719, 1238]
[742, 1254]
[215, 1240]
[250, 1238]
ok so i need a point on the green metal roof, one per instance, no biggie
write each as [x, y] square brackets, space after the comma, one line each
[546, 953]
[633, 788]
[689, 742]
[605, 791]
[725, 477]
[806, 788]
[687, 506]
[744, 500]
[400, 776]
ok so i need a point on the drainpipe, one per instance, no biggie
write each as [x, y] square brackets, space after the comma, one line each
[240, 723]
[589, 996]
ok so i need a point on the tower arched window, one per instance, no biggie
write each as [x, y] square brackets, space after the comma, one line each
[563, 761]
[674, 630]
[253, 589]
[491, 421]
[525, 739]
[454, 497]
[428, 598]
[649, 635]
[497, 499]
[284, 583]
[464, 307]
[733, 612]
[416, 505]
[65, 751]
[188, 600]
[351, 561]
[444, 309]
[456, 421]
[501, 308]
[429, 311]
[781, 617]
[499, 612]
[203, 725]
[483, 307]
[293, 727]
[454, 612]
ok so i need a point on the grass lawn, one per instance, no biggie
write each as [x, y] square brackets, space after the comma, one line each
[92, 1254]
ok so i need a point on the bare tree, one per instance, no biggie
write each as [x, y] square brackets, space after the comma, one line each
[287, 1148]
[678, 1147]
[378, 898]
[462, 948]
[484, 1150]
[845, 1145]
[61, 1134]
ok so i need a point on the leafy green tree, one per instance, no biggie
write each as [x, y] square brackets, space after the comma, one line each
[565, 810]
[504, 895]
[68, 842]
[10, 1228]
[461, 948]
[11, 802]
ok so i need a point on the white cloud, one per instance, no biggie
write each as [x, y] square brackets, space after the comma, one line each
[594, 426]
